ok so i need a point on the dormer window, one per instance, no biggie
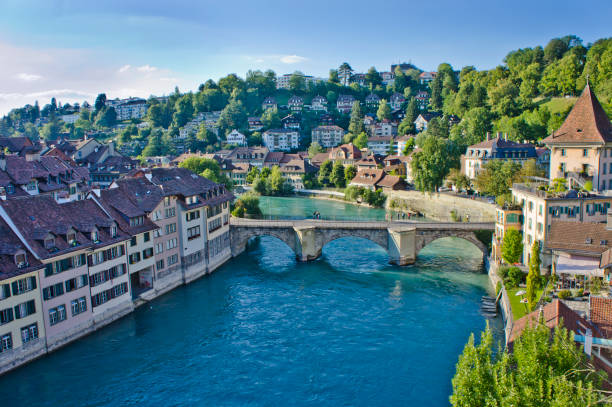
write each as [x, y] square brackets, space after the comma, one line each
[71, 237]
[20, 260]
[94, 236]
[49, 243]
[113, 231]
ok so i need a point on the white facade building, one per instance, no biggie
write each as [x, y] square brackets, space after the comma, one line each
[281, 139]
[235, 137]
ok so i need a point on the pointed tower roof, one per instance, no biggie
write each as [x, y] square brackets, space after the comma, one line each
[587, 122]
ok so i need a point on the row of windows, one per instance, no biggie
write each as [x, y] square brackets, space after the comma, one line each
[78, 306]
[170, 228]
[172, 259]
[218, 244]
[65, 264]
[20, 286]
[134, 240]
[106, 255]
[107, 295]
[171, 243]
[19, 311]
[214, 224]
[106, 275]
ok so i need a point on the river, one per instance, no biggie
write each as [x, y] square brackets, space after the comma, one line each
[263, 330]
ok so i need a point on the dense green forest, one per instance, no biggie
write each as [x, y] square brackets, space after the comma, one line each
[527, 96]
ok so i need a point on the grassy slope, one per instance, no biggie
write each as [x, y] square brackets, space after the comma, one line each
[557, 104]
[518, 309]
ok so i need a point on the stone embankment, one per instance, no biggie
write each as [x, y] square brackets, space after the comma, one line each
[446, 207]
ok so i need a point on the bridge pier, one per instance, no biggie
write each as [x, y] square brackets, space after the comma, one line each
[402, 246]
[307, 249]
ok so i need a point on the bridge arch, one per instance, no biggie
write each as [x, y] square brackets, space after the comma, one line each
[240, 239]
[427, 237]
[325, 236]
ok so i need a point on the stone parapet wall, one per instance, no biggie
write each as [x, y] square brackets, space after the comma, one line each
[440, 206]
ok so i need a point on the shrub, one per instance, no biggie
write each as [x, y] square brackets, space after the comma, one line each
[578, 293]
[454, 216]
[502, 272]
[516, 276]
[564, 294]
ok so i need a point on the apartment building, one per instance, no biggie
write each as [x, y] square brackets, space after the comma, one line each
[327, 136]
[281, 139]
[396, 101]
[140, 249]
[381, 145]
[541, 208]
[499, 148]
[581, 149]
[22, 330]
[132, 108]
[344, 104]
[237, 138]
[319, 104]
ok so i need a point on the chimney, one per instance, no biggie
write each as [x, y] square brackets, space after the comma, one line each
[488, 136]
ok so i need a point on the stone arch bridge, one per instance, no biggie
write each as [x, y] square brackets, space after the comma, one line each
[402, 240]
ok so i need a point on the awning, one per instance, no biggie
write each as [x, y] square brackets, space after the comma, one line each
[582, 267]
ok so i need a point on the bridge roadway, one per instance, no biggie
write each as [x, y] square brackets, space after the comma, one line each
[402, 239]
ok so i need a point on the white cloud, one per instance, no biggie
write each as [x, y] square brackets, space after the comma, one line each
[124, 68]
[292, 59]
[146, 68]
[28, 77]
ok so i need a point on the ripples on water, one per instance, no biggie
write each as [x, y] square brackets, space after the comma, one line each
[264, 330]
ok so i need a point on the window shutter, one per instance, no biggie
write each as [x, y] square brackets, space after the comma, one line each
[17, 313]
[31, 307]
[33, 282]
[15, 288]
[89, 260]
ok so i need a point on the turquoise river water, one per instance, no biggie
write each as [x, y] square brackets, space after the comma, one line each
[263, 330]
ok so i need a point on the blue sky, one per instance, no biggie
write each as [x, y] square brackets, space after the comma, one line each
[76, 49]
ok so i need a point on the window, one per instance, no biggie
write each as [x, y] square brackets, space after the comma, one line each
[53, 291]
[29, 333]
[171, 244]
[113, 231]
[147, 236]
[134, 258]
[173, 259]
[106, 275]
[159, 265]
[170, 228]
[76, 283]
[24, 285]
[159, 248]
[189, 216]
[6, 342]
[94, 236]
[78, 306]
[133, 241]
[5, 291]
[214, 224]
[49, 243]
[137, 221]
[147, 253]
[71, 237]
[105, 255]
[167, 201]
[193, 232]
[585, 152]
[562, 152]
[170, 212]
[157, 232]
[6, 316]
[24, 309]
[57, 315]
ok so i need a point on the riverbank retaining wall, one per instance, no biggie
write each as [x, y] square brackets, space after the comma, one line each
[440, 206]
[504, 301]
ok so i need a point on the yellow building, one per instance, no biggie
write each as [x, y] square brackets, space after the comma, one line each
[507, 217]
[22, 330]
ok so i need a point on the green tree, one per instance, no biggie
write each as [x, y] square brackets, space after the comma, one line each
[533, 277]
[100, 102]
[333, 76]
[356, 122]
[154, 146]
[337, 176]
[107, 117]
[540, 371]
[512, 246]
[373, 78]
[205, 137]
[271, 118]
[497, 176]
[233, 116]
[183, 110]
[252, 175]
[247, 204]
[409, 147]
[325, 171]
[432, 163]
[51, 130]
[406, 126]
[384, 110]
[314, 149]
[361, 141]
[350, 171]
[297, 83]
